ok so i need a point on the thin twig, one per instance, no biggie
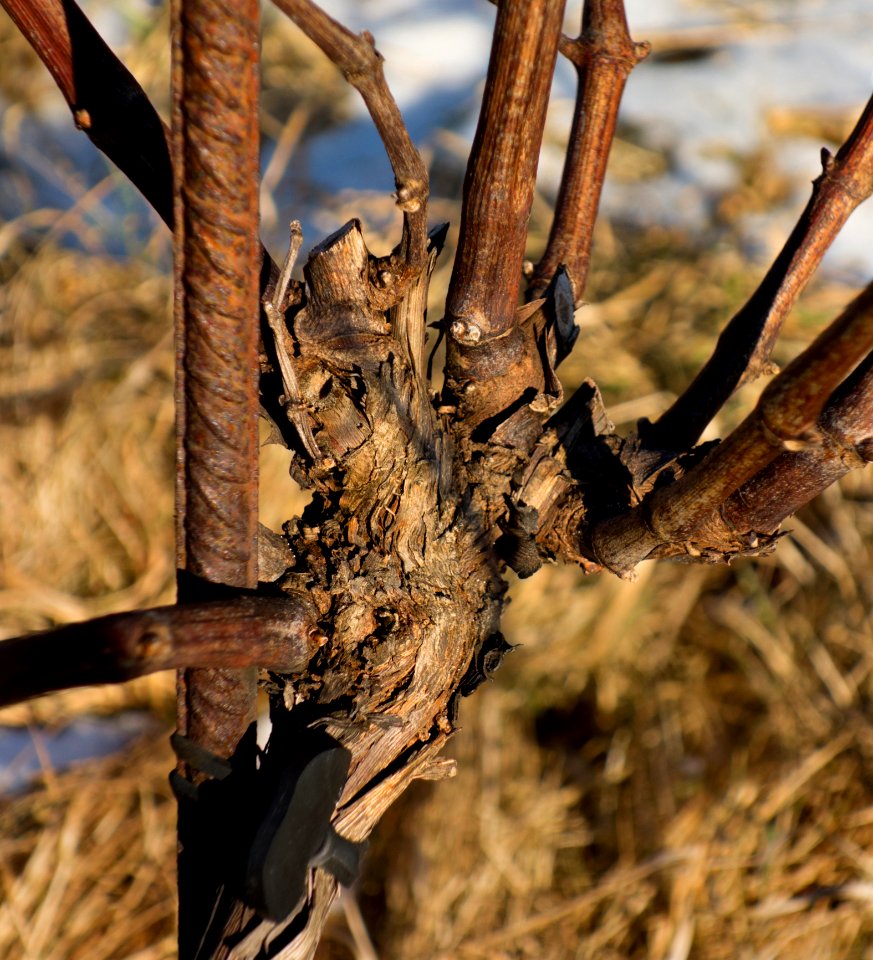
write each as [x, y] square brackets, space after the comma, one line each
[107, 102]
[275, 311]
[361, 64]
[783, 420]
[604, 56]
[744, 347]
[409, 317]
[273, 633]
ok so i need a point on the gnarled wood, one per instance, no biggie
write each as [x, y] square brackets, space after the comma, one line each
[419, 506]
[389, 550]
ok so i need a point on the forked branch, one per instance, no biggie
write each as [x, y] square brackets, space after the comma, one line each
[845, 443]
[744, 347]
[400, 548]
[361, 64]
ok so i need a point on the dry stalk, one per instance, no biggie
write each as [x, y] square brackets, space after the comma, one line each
[274, 308]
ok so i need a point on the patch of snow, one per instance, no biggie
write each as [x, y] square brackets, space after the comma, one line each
[25, 751]
[703, 113]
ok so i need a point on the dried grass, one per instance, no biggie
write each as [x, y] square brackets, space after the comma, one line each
[676, 767]
[86, 863]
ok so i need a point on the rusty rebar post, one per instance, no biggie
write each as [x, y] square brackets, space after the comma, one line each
[215, 137]
[215, 158]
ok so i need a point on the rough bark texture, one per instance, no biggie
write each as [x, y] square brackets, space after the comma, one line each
[392, 550]
[422, 502]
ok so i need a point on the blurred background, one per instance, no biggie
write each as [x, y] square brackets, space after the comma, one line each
[676, 767]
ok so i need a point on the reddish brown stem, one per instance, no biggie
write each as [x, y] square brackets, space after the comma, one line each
[492, 359]
[273, 633]
[107, 102]
[744, 347]
[793, 479]
[783, 420]
[498, 190]
[361, 64]
[604, 56]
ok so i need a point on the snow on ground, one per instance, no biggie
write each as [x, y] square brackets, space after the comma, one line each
[702, 112]
[27, 751]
